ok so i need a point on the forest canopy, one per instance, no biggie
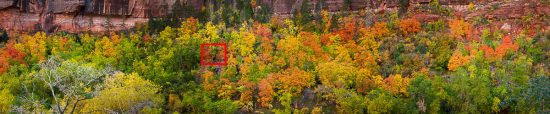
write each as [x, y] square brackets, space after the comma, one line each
[310, 62]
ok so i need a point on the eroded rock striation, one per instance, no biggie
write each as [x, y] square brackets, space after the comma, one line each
[103, 15]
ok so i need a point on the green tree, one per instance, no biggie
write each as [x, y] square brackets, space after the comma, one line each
[285, 99]
[422, 91]
[199, 101]
[470, 89]
[4, 36]
[304, 15]
[379, 101]
[349, 101]
[403, 6]
[68, 82]
[537, 95]
[263, 15]
[247, 11]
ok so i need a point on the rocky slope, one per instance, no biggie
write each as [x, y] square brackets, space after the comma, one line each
[103, 15]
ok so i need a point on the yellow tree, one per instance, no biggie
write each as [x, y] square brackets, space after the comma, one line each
[327, 20]
[210, 33]
[293, 80]
[189, 26]
[7, 100]
[396, 84]
[246, 89]
[208, 82]
[106, 48]
[290, 49]
[226, 88]
[460, 29]
[166, 37]
[87, 42]
[243, 42]
[34, 45]
[367, 79]
[336, 74]
[124, 94]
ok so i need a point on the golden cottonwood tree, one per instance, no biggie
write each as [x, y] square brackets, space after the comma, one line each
[327, 20]
[335, 74]
[243, 42]
[396, 84]
[291, 49]
[367, 79]
[106, 48]
[124, 94]
[226, 89]
[6, 102]
[460, 29]
[59, 45]
[35, 46]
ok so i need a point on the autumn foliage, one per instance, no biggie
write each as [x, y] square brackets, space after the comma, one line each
[266, 93]
[335, 62]
[409, 26]
[293, 81]
[349, 30]
[4, 62]
[460, 29]
[396, 84]
[457, 60]
[499, 51]
[379, 29]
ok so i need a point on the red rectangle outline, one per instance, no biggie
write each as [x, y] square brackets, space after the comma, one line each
[202, 54]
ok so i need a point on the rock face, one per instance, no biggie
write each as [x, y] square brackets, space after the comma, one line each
[5, 3]
[99, 15]
[512, 10]
[77, 15]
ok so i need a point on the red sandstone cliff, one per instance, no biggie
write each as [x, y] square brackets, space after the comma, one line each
[98, 15]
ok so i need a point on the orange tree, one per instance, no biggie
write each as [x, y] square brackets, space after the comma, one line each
[409, 26]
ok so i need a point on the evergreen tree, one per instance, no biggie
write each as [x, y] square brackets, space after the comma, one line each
[247, 12]
[305, 13]
[178, 10]
[263, 14]
[4, 37]
[403, 7]
[347, 5]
